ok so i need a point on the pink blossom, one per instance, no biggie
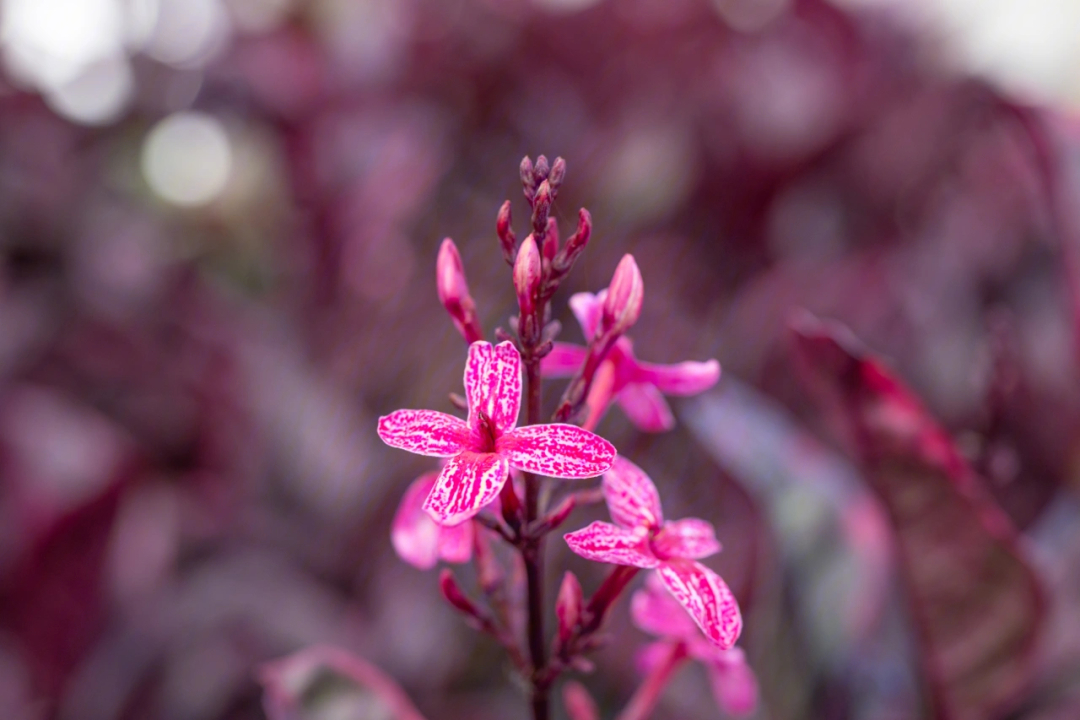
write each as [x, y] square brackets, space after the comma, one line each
[482, 449]
[656, 612]
[418, 539]
[641, 538]
[638, 387]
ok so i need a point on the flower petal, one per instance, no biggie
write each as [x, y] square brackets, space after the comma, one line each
[691, 539]
[424, 432]
[655, 611]
[588, 309]
[563, 361]
[631, 496]
[414, 535]
[557, 450]
[646, 408]
[456, 542]
[467, 483]
[733, 683]
[685, 378]
[493, 384]
[707, 598]
[603, 542]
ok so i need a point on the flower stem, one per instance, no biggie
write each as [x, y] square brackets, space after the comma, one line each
[644, 701]
[532, 552]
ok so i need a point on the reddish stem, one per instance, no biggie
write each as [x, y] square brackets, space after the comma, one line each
[644, 701]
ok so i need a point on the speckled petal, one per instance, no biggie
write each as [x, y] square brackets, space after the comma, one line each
[424, 432]
[493, 384]
[655, 611]
[557, 450]
[603, 542]
[691, 539]
[707, 598]
[467, 483]
[631, 496]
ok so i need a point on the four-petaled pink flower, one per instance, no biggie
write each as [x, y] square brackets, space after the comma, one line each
[638, 387]
[418, 539]
[641, 538]
[656, 612]
[482, 449]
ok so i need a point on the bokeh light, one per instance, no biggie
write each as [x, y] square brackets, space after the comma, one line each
[186, 158]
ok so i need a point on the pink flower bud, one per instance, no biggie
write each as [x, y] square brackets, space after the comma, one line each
[507, 239]
[557, 174]
[551, 240]
[542, 208]
[454, 292]
[528, 274]
[541, 169]
[453, 594]
[622, 306]
[527, 182]
[568, 606]
[575, 245]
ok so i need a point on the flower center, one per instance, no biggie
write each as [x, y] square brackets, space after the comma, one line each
[487, 433]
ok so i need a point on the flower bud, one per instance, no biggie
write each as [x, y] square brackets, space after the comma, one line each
[568, 606]
[557, 174]
[454, 292]
[622, 306]
[551, 240]
[541, 170]
[541, 209]
[576, 243]
[453, 594]
[507, 239]
[527, 276]
[527, 182]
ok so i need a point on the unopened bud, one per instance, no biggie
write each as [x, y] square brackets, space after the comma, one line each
[453, 594]
[507, 239]
[541, 170]
[568, 607]
[622, 306]
[551, 240]
[453, 292]
[528, 184]
[528, 274]
[576, 243]
[541, 209]
[557, 174]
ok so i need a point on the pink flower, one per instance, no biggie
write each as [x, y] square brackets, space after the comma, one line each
[641, 538]
[656, 612]
[638, 387]
[482, 449]
[418, 539]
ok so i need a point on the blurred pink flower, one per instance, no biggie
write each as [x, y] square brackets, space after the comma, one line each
[638, 387]
[418, 539]
[656, 612]
[482, 450]
[641, 538]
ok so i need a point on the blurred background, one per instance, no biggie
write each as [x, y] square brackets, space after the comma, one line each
[218, 227]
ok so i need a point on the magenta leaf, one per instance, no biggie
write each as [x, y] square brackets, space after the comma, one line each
[493, 384]
[559, 451]
[706, 597]
[424, 432]
[332, 680]
[631, 496]
[690, 538]
[604, 542]
[468, 482]
[977, 603]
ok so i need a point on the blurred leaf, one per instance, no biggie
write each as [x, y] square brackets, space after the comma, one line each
[976, 601]
[327, 683]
